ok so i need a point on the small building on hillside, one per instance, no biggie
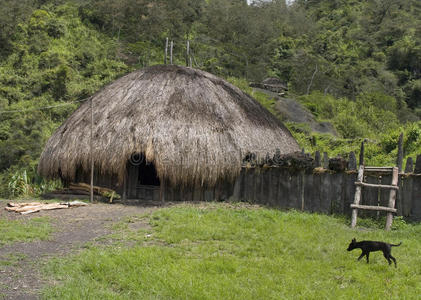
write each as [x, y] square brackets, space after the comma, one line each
[271, 84]
[164, 132]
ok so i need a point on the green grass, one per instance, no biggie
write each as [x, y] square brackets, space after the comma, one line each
[218, 251]
[24, 230]
[11, 259]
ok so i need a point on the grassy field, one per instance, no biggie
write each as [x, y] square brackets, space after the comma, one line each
[24, 230]
[218, 251]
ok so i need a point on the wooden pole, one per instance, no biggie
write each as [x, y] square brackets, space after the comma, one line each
[399, 159]
[379, 186]
[302, 175]
[352, 164]
[317, 159]
[392, 198]
[91, 150]
[409, 165]
[362, 154]
[171, 49]
[357, 197]
[375, 208]
[325, 161]
[166, 51]
[417, 169]
[187, 53]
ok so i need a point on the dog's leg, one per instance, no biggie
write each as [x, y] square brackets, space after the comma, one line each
[361, 256]
[387, 256]
[367, 255]
[394, 260]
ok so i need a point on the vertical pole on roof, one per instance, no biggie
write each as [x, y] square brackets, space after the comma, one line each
[171, 48]
[91, 151]
[166, 51]
[187, 53]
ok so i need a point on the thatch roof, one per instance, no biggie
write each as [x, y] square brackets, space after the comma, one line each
[195, 127]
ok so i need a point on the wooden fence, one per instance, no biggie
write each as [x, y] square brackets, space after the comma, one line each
[324, 190]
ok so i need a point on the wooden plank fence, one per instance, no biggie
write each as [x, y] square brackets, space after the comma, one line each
[325, 189]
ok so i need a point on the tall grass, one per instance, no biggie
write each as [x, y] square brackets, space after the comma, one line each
[220, 252]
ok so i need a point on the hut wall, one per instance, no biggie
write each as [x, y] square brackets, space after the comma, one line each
[104, 180]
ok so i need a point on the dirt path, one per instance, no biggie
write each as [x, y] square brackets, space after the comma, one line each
[73, 228]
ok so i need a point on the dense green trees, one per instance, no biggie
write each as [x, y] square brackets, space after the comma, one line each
[54, 59]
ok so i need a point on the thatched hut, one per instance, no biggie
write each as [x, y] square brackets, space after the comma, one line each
[161, 128]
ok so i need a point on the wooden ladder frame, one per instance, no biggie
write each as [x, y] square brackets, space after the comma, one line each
[392, 197]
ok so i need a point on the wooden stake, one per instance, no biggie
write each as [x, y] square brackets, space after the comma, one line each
[362, 154]
[317, 159]
[187, 53]
[166, 51]
[417, 169]
[357, 197]
[392, 198]
[325, 161]
[91, 150]
[399, 159]
[302, 189]
[409, 165]
[171, 49]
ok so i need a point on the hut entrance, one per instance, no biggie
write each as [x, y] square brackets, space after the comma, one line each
[147, 174]
[142, 180]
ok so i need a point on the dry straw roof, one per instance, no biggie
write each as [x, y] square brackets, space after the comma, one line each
[195, 127]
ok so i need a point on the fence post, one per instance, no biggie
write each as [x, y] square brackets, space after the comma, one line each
[409, 165]
[187, 53]
[317, 159]
[362, 154]
[352, 163]
[91, 152]
[392, 198]
[357, 196]
[325, 160]
[171, 49]
[399, 159]
[166, 51]
[418, 165]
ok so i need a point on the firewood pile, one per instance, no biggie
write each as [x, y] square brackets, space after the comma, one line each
[32, 207]
[85, 189]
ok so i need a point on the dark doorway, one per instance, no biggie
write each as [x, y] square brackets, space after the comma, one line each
[142, 180]
[146, 171]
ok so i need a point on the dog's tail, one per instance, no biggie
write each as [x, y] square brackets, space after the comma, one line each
[396, 244]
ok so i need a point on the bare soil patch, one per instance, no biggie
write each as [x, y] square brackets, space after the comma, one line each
[74, 227]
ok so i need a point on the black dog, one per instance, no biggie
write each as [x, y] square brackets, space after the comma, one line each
[369, 246]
